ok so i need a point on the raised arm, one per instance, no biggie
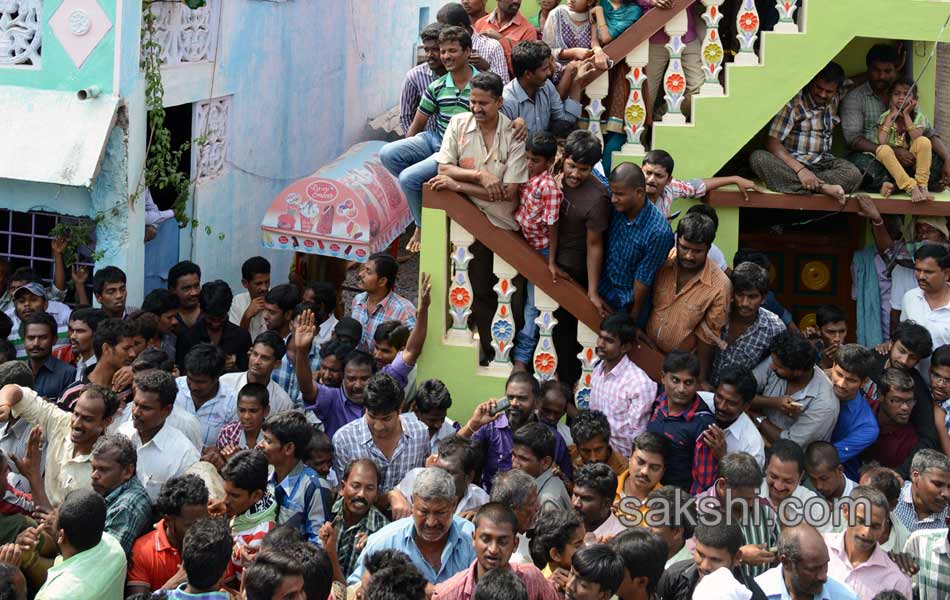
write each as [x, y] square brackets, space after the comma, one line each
[417, 338]
[304, 333]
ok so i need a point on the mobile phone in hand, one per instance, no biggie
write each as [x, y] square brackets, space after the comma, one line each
[500, 406]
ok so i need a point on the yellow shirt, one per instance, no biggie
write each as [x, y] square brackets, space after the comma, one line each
[625, 516]
[464, 146]
[64, 471]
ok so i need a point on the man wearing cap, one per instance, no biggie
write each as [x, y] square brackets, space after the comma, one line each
[30, 298]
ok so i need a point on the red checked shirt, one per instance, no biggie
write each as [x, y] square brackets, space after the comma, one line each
[539, 208]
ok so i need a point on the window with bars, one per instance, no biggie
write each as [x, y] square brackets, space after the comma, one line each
[25, 241]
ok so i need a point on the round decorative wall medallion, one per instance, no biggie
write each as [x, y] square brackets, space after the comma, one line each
[79, 22]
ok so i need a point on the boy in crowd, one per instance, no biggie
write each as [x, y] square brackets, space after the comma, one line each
[591, 434]
[832, 328]
[430, 404]
[595, 486]
[251, 508]
[247, 308]
[533, 452]
[662, 189]
[81, 329]
[253, 406]
[856, 428]
[379, 301]
[303, 498]
[213, 327]
[537, 215]
[205, 553]
[263, 359]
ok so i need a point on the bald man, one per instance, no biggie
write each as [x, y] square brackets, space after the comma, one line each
[803, 572]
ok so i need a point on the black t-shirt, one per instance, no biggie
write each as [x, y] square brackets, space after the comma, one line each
[584, 208]
[234, 341]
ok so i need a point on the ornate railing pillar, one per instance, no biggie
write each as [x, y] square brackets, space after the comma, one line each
[460, 287]
[596, 91]
[712, 51]
[545, 356]
[503, 323]
[588, 356]
[674, 81]
[635, 114]
[747, 26]
[786, 16]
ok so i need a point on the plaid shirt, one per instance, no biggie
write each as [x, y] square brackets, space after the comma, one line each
[128, 512]
[750, 348]
[392, 308]
[417, 80]
[232, 434]
[540, 205]
[303, 500]
[690, 464]
[677, 188]
[806, 129]
[285, 376]
[625, 395]
[931, 548]
[346, 541]
[354, 440]
[907, 514]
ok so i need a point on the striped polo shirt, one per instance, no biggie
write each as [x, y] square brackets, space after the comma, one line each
[442, 100]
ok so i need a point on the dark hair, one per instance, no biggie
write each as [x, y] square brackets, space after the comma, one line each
[105, 276]
[704, 209]
[247, 470]
[348, 330]
[885, 481]
[678, 361]
[206, 551]
[361, 462]
[882, 53]
[383, 395]
[316, 567]
[601, 565]
[110, 402]
[272, 340]
[111, 331]
[915, 337]
[82, 517]
[787, 451]
[827, 314]
[749, 276]
[359, 358]
[430, 395]
[524, 377]
[16, 372]
[382, 559]
[935, 251]
[26, 274]
[740, 378]
[324, 293]
[744, 255]
[205, 359]
[456, 447]
[542, 143]
[256, 265]
[487, 82]
[267, 572]
[740, 469]
[821, 454]
[90, 316]
[39, 318]
[160, 301]
[153, 358]
[793, 350]
[628, 174]
[126, 454]
[215, 298]
[281, 537]
[889, 595]
[653, 443]
[285, 296]
[643, 553]
[894, 379]
[393, 333]
[553, 529]
[620, 325]
[7, 350]
[660, 158]
[831, 73]
[303, 307]
[726, 536]
[6, 325]
[498, 513]
[319, 441]
[905, 81]
[385, 266]
[392, 583]
[430, 33]
[696, 228]
[257, 391]
[597, 477]
[529, 55]
[559, 388]
[561, 128]
[670, 495]
[337, 348]
[500, 584]
[940, 357]
[855, 359]
[8, 573]
[589, 424]
[185, 267]
[452, 33]
[582, 147]
[453, 15]
[537, 438]
[144, 325]
[290, 428]
[179, 492]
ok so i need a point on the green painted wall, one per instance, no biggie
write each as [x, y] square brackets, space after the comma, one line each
[57, 71]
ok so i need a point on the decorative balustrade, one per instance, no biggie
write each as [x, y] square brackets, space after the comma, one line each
[596, 92]
[712, 50]
[587, 338]
[635, 114]
[786, 16]
[186, 35]
[545, 356]
[460, 288]
[674, 80]
[503, 323]
[747, 27]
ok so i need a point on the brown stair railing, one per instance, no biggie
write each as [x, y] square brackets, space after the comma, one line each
[651, 22]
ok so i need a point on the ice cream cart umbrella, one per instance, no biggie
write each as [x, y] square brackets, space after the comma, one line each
[348, 209]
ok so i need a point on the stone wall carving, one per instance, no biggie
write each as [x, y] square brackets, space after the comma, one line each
[186, 35]
[211, 122]
[21, 25]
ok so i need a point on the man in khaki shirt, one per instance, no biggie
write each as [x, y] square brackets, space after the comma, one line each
[481, 159]
[69, 436]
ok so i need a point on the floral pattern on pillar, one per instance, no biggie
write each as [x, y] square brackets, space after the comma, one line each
[711, 50]
[503, 323]
[674, 81]
[747, 26]
[460, 288]
[545, 356]
[596, 91]
[588, 356]
[636, 112]
[786, 16]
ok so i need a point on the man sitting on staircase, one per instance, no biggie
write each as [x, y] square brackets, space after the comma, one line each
[797, 158]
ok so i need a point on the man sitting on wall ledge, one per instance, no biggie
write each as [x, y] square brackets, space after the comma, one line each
[797, 158]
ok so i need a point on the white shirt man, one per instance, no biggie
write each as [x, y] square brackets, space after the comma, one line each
[166, 455]
[473, 499]
[741, 435]
[278, 399]
[180, 419]
[239, 305]
[936, 320]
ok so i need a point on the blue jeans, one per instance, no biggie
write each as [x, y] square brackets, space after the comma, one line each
[411, 161]
[527, 338]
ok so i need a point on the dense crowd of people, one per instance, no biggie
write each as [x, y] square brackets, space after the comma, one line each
[263, 446]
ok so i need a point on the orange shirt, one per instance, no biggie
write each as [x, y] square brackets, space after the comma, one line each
[512, 32]
[153, 560]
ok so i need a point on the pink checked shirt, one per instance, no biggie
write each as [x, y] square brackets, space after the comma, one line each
[539, 207]
[625, 395]
[879, 573]
[461, 586]
[678, 188]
